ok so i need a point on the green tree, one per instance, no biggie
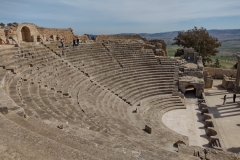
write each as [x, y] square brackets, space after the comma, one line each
[235, 65]
[200, 41]
[2, 25]
[179, 53]
[217, 64]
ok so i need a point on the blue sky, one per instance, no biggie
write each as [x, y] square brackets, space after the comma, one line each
[123, 16]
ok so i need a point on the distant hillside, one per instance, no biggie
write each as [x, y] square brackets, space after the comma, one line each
[222, 35]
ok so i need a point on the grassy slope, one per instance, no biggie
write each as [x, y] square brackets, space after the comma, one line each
[172, 49]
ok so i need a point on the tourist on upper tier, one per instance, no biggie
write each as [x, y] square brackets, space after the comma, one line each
[224, 99]
[234, 97]
[77, 41]
[62, 43]
[74, 42]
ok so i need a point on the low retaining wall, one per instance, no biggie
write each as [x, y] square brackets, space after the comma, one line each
[217, 73]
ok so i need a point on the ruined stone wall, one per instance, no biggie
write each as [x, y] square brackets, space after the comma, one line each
[2, 36]
[83, 39]
[218, 73]
[129, 38]
[159, 45]
[2, 33]
[53, 33]
[228, 83]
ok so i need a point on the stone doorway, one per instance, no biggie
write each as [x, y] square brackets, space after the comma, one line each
[190, 91]
[26, 34]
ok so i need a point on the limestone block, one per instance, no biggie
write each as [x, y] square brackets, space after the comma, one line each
[148, 129]
[211, 131]
[205, 110]
[60, 126]
[202, 105]
[208, 83]
[3, 40]
[208, 123]
[206, 116]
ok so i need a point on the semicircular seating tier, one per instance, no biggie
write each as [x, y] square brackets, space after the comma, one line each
[91, 90]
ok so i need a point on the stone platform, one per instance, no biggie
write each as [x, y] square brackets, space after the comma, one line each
[227, 116]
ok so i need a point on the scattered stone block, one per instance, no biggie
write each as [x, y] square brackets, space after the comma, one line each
[179, 142]
[60, 126]
[4, 110]
[148, 129]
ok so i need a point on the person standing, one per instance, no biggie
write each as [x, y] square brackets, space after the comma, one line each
[77, 41]
[74, 42]
[234, 97]
[224, 99]
[62, 43]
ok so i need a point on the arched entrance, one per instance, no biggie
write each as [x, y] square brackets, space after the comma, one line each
[190, 90]
[26, 34]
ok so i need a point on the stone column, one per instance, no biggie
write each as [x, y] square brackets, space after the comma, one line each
[237, 82]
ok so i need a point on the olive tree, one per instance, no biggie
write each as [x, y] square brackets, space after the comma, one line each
[200, 41]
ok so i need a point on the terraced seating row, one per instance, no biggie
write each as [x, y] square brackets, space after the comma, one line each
[131, 55]
[91, 58]
[109, 106]
[53, 90]
[167, 61]
[141, 68]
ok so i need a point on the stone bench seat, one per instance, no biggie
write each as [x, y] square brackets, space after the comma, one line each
[60, 79]
[63, 139]
[67, 81]
[168, 103]
[142, 70]
[31, 104]
[101, 70]
[138, 95]
[141, 88]
[127, 84]
[145, 70]
[94, 65]
[52, 74]
[74, 85]
[157, 102]
[121, 80]
[127, 77]
[56, 107]
[121, 89]
[89, 58]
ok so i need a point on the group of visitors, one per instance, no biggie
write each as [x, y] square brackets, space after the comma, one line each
[225, 97]
[76, 42]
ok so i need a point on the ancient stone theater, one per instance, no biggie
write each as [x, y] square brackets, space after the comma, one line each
[110, 97]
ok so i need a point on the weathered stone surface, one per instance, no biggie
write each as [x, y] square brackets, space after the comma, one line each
[102, 38]
[28, 32]
[4, 110]
[218, 73]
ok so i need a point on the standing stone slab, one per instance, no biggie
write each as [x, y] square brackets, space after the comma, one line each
[148, 129]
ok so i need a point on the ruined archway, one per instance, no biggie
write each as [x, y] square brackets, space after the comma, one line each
[190, 90]
[26, 34]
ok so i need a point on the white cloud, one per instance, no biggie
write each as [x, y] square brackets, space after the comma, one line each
[114, 16]
[154, 10]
